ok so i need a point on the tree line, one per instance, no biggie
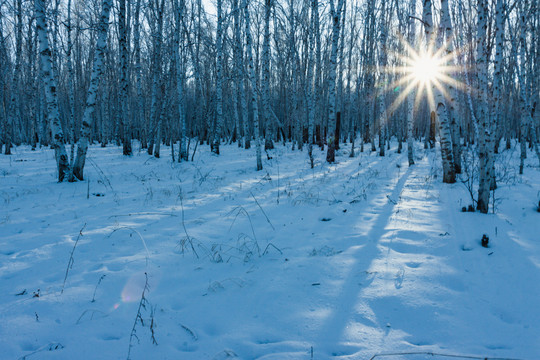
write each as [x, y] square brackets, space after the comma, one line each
[327, 73]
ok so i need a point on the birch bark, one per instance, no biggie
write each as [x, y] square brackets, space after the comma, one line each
[410, 98]
[484, 135]
[269, 136]
[97, 70]
[179, 18]
[219, 78]
[449, 174]
[446, 23]
[253, 82]
[125, 123]
[335, 15]
[49, 80]
[310, 86]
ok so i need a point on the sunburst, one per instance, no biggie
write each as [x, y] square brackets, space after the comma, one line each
[425, 72]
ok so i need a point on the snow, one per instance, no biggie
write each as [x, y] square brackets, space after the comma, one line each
[363, 257]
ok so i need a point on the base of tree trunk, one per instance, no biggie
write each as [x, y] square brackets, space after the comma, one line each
[268, 144]
[331, 152]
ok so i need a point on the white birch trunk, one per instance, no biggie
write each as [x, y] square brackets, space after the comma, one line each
[484, 135]
[410, 97]
[239, 83]
[310, 85]
[179, 17]
[3, 79]
[219, 79]
[47, 75]
[97, 71]
[269, 136]
[335, 14]
[449, 174]
[494, 115]
[253, 81]
[125, 123]
[139, 101]
[157, 96]
[446, 23]
[318, 67]
[381, 98]
[527, 122]
[71, 86]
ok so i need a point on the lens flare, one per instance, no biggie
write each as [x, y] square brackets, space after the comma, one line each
[133, 288]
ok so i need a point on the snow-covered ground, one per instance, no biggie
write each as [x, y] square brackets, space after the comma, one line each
[346, 261]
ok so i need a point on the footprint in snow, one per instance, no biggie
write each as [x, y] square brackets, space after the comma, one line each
[398, 281]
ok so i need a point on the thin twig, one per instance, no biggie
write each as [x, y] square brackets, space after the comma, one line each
[71, 260]
[136, 232]
[195, 150]
[189, 238]
[144, 213]
[274, 246]
[95, 290]
[422, 21]
[138, 317]
[260, 207]
[48, 347]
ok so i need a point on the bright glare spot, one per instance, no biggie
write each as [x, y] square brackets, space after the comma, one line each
[133, 289]
[426, 69]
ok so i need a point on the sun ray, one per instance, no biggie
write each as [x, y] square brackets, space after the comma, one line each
[441, 89]
[418, 97]
[402, 96]
[430, 96]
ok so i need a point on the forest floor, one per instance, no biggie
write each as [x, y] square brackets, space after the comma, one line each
[363, 257]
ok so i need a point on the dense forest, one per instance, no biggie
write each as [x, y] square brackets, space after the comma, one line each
[269, 179]
[308, 73]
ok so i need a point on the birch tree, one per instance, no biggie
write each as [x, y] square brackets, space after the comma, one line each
[14, 114]
[179, 7]
[335, 15]
[238, 74]
[381, 98]
[310, 81]
[157, 8]
[219, 78]
[97, 70]
[449, 174]
[269, 141]
[410, 98]
[253, 81]
[526, 110]
[124, 117]
[49, 81]
[4, 73]
[446, 24]
[484, 128]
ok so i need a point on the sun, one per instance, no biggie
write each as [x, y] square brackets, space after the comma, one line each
[423, 73]
[426, 68]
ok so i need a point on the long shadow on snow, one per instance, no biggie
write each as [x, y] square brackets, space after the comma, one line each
[331, 333]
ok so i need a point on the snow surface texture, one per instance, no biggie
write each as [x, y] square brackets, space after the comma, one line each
[363, 257]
